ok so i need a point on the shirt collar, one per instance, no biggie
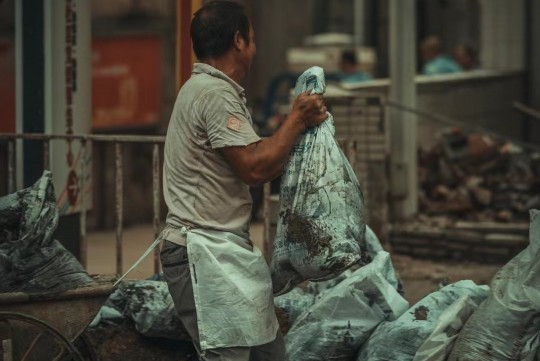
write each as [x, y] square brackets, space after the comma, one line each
[202, 68]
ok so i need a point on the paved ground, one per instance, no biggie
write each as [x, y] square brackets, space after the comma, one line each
[102, 249]
[420, 277]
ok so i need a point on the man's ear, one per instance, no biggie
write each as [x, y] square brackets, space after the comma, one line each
[239, 42]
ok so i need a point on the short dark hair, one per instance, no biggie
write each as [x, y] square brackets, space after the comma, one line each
[213, 28]
[349, 56]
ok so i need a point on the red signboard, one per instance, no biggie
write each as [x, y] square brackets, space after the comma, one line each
[126, 81]
[7, 86]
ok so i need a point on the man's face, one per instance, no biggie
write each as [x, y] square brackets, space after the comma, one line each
[247, 51]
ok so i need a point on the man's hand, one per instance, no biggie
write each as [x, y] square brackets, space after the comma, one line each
[310, 109]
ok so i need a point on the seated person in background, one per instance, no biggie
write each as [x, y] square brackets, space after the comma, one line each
[435, 62]
[349, 68]
[466, 57]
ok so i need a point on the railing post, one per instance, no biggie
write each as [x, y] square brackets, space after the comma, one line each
[267, 244]
[11, 166]
[83, 247]
[46, 154]
[119, 206]
[156, 191]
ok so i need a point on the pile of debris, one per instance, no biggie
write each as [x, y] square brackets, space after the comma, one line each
[476, 177]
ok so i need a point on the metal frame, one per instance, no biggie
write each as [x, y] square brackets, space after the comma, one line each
[85, 140]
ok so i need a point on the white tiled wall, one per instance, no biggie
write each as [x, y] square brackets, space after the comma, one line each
[502, 34]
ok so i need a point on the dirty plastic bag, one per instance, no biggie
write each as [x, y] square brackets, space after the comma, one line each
[294, 303]
[400, 340]
[149, 305]
[321, 225]
[344, 317]
[438, 345]
[505, 327]
[373, 246]
[30, 260]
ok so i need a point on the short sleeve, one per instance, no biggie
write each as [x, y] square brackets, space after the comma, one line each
[227, 121]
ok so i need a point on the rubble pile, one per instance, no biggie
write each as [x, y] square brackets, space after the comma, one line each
[476, 177]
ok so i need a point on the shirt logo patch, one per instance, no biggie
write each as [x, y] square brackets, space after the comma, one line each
[233, 123]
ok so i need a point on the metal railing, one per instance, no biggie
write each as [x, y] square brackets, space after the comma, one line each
[85, 140]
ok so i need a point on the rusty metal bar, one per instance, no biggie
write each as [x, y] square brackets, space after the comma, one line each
[11, 166]
[119, 207]
[87, 137]
[46, 154]
[267, 243]
[156, 189]
[83, 247]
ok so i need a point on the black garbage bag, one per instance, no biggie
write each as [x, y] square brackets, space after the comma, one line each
[30, 260]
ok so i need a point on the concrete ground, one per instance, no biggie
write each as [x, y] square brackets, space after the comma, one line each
[420, 277]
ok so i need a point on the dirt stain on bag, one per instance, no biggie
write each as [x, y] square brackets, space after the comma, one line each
[421, 313]
[304, 231]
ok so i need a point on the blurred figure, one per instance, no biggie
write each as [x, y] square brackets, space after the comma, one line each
[350, 72]
[435, 62]
[466, 57]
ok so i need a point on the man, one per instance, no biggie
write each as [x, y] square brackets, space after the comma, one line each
[466, 57]
[349, 68]
[435, 62]
[218, 279]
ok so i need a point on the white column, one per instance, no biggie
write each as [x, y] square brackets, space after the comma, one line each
[502, 34]
[403, 127]
[68, 97]
[359, 22]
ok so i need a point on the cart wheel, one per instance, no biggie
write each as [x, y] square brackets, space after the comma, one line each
[31, 339]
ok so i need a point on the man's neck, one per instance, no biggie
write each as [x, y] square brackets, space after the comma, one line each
[228, 67]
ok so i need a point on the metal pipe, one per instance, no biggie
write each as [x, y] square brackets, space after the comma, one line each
[11, 166]
[83, 247]
[156, 189]
[443, 119]
[527, 110]
[119, 207]
[87, 137]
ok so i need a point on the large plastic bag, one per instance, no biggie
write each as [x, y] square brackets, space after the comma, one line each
[149, 305]
[505, 327]
[438, 345]
[30, 260]
[345, 315]
[399, 340]
[321, 226]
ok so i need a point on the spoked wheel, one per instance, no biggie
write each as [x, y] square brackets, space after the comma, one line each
[26, 338]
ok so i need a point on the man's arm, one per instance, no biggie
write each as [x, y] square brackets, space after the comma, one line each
[263, 161]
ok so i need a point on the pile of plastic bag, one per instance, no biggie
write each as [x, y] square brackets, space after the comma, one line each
[30, 260]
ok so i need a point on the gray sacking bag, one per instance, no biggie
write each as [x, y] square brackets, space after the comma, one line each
[506, 325]
[345, 315]
[438, 345]
[400, 340]
[321, 226]
[294, 303]
[30, 260]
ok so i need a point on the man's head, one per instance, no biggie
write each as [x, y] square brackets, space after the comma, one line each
[222, 28]
[349, 62]
[465, 56]
[430, 48]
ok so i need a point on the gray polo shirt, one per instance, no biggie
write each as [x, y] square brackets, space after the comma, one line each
[200, 187]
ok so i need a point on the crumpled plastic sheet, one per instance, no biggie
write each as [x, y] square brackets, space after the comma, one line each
[321, 224]
[149, 305]
[30, 260]
[507, 325]
[438, 345]
[400, 340]
[345, 315]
